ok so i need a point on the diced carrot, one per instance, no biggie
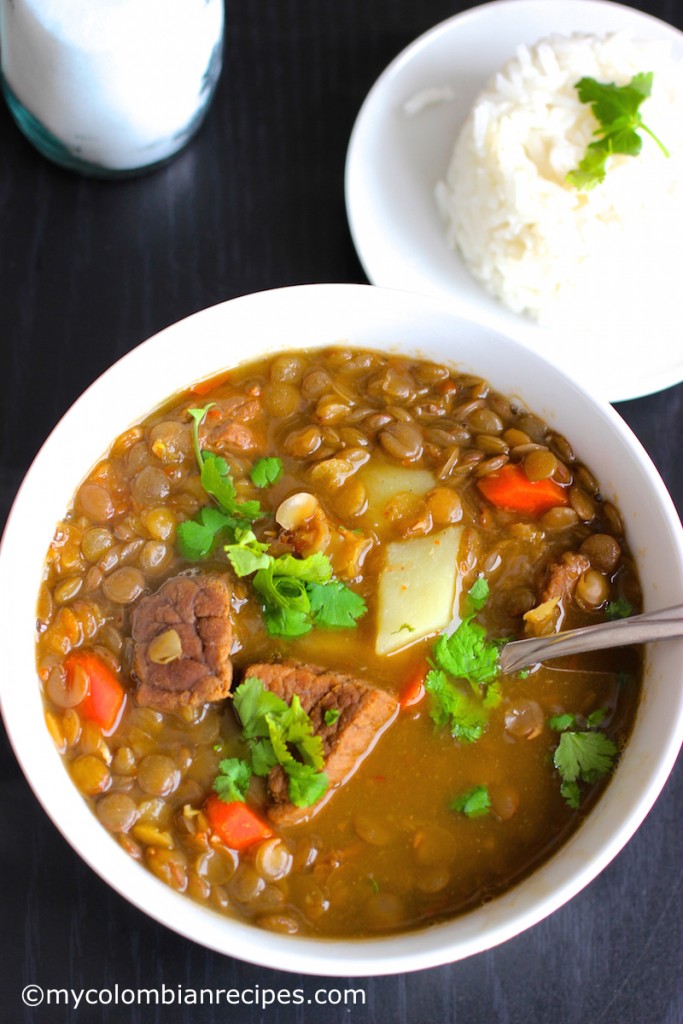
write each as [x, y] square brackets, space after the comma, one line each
[510, 488]
[105, 697]
[203, 387]
[414, 687]
[234, 823]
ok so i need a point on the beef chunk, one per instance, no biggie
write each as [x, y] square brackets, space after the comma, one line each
[194, 614]
[562, 576]
[364, 714]
[224, 429]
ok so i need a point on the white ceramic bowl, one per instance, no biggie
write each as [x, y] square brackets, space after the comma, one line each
[304, 317]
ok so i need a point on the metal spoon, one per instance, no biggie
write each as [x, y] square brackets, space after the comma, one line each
[637, 629]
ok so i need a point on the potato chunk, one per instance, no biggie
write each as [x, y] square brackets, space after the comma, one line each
[384, 482]
[417, 591]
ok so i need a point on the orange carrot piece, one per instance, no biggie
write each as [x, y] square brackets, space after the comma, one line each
[234, 823]
[203, 387]
[510, 488]
[414, 687]
[104, 700]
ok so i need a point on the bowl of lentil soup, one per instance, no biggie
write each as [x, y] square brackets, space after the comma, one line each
[260, 574]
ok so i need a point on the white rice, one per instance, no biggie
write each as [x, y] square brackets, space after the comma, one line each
[537, 243]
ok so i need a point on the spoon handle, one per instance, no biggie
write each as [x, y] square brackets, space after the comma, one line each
[637, 629]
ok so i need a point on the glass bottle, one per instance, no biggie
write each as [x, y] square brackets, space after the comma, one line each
[110, 87]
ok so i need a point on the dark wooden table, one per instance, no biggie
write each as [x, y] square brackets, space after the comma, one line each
[90, 269]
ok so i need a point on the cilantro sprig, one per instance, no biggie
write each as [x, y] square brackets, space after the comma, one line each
[196, 538]
[233, 779]
[617, 109]
[474, 804]
[583, 755]
[467, 655]
[266, 471]
[297, 593]
[454, 709]
[620, 608]
[276, 733]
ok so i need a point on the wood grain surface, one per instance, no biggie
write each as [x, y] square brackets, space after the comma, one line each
[88, 270]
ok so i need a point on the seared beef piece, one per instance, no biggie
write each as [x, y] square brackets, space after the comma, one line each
[364, 714]
[562, 576]
[224, 430]
[197, 610]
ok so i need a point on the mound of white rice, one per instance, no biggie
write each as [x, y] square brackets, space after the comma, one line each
[537, 243]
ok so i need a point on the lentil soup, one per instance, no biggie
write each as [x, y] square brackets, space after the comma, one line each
[267, 636]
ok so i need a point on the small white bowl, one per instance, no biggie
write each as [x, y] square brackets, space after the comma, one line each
[302, 317]
[394, 162]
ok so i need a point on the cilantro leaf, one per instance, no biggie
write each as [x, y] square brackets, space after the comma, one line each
[306, 786]
[282, 583]
[618, 609]
[290, 726]
[243, 560]
[615, 104]
[217, 482]
[253, 703]
[558, 723]
[582, 757]
[475, 803]
[314, 569]
[493, 695]
[478, 595]
[262, 757]
[288, 622]
[468, 653]
[266, 471]
[282, 734]
[592, 168]
[331, 716]
[297, 593]
[463, 715]
[617, 110]
[288, 592]
[572, 794]
[248, 554]
[196, 537]
[334, 605]
[233, 781]
[596, 717]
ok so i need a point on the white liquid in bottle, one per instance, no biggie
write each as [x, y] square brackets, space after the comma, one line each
[110, 86]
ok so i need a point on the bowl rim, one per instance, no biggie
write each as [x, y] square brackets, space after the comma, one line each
[526, 903]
